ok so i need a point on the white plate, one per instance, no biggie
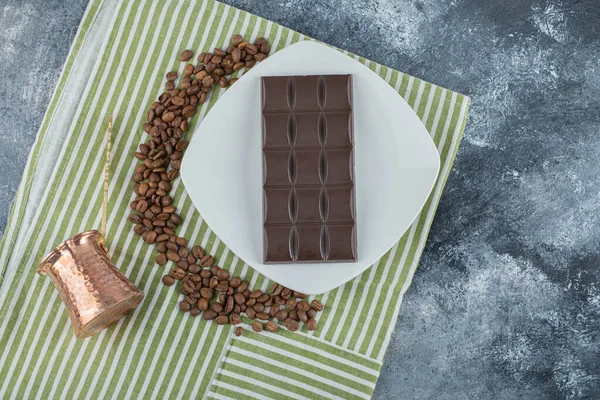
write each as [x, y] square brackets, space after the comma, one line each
[396, 165]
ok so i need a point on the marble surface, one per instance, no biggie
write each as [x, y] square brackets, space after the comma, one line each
[506, 301]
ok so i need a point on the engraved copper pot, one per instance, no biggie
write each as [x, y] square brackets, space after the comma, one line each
[95, 292]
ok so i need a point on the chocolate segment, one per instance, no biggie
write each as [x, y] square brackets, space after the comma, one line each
[308, 169]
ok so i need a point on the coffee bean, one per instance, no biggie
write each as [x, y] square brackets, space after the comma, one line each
[229, 305]
[189, 285]
[239, 331]
[300, 295]
[250, 312]
[235, 319]
[270, 301]
[213, 283]
[262, 298]
[187, 71]
[184, 306]
[136, 219]
[209, 315]
[317, 305]
[198, 251]
[276, 289]
[291, 304]
[215, 269]
[232, 81]
[262, 315]
[207, 260]
[168, 117]
[168, 280]
[281, 315]
[259, 307]
[216, 307]
[237, 39]
[303, 305]
[222, 298]
[257, 326]
[265, 48]
[171, 255]
[222, 320]
[183, 252]
[279, 300]
[243, 287]
[141, 206]
[311, 324]
[251, 49]
[151, 237]
[222, 274]
[237, 66]
[235, 282]
[236, 55]
[255, 294]
[222, 286]
[302, 316]
[169, 85]
[185, 55]
[239, 298]
[207, 293]
[203, 304]
[293, 315]
[273, 311]
[195, 311]
[161, 259]
[271, 326]
[194, 269]
[178, 273]
[171, 76]
[190, 299]
[291, 325]
[139, 229]
[286, 293]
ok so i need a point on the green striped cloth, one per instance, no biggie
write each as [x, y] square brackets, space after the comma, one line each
[117, 64]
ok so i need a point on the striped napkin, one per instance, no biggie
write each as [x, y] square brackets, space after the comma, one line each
[117, 64]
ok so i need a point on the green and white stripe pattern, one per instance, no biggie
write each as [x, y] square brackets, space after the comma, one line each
[157, 352]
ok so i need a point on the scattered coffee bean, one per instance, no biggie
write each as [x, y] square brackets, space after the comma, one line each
[239, 331]
[311, 324]
[185, 55]
[222, 320]
[168, 280]
[195, 311]
[257, 326]
[281, 315]
[316, 305]
[209, 315]
[271, 326]
[303, 305]
[291, 325]
[302, 316]
[234, 319]
[161, 259]
[184, 306]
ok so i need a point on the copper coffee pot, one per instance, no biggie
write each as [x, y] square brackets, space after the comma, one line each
[95, 293]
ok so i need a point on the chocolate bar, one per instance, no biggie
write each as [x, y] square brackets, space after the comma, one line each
[308, 169]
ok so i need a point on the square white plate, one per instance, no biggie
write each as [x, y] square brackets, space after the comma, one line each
[396, 165]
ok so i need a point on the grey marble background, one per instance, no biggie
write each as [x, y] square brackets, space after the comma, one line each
[506, 301]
